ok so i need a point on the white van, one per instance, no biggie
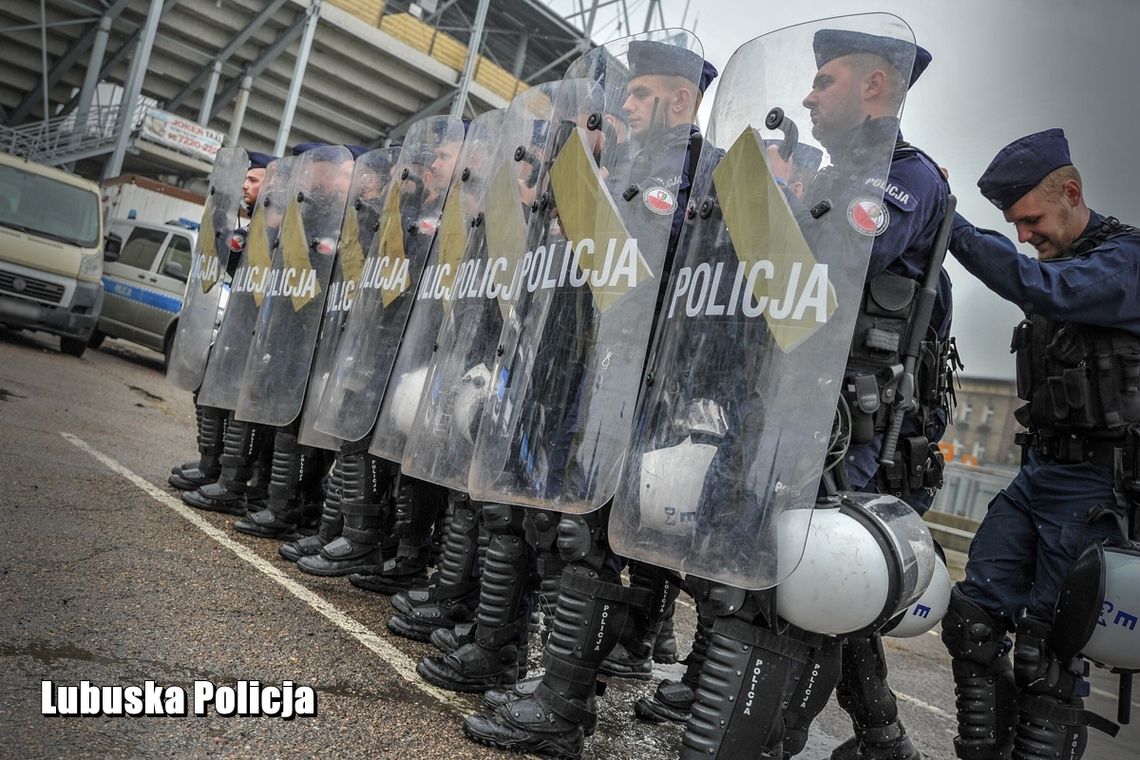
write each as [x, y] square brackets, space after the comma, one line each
[143, 289]
[51, 251]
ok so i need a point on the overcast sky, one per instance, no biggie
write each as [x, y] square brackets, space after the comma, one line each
[1001, 69]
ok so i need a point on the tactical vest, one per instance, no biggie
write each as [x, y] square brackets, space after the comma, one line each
[1081, 381]
[882, 330]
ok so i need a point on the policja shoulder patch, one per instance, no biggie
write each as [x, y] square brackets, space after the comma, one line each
[868, 216]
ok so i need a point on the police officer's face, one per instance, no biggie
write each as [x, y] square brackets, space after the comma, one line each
[446, 157]
[835, 102]
[656, 100]
[251, 187]
[1047, 221]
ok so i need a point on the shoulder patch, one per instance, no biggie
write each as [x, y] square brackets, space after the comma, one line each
[660, 201]
[868, 216]
[895, 193]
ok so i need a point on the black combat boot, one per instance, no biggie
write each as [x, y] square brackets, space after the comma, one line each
[366, 485]
[245, 446]
[673, 700]
[453, 596]
[984, 687]
[292, 471]
[211, 440]
[590, 617]
[331, 521]
[864, 694]
[491, 658]
[417, 506]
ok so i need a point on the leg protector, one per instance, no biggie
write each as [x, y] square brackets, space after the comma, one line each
[332, 521]
[242, 443]
[282, 514]
[417, 505]
[749, 674]
[864, 694]
[1051, 722]
[365, 481]
[211, 439]
[491, 658]
[633, 655]
[542, 533]
[665, 643]
[984, 688]
[454, 595]
[589, 620]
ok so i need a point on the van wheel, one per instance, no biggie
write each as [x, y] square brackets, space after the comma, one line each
[96, 339]
[72, 346]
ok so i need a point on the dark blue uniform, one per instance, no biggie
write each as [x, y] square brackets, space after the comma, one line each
[914, 204]
[1036, 527]
[1076, 352]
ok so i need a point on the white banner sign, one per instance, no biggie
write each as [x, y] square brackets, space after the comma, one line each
[181, 134]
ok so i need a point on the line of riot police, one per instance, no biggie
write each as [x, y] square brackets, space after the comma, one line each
[575, 337]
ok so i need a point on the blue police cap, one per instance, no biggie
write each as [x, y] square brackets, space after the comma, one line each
[259, 160]
[301, 148]
[829, 44]
[807, 156]
[647, 57]
[356, 150]
[1020, 166]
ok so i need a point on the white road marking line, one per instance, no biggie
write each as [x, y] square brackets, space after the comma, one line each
[404, 666]
[925, 705]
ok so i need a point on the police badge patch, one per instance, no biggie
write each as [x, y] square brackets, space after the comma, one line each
[868, 216]
[660, 201]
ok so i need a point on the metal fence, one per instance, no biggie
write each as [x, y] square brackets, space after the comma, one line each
[61, 140]
[968, 490]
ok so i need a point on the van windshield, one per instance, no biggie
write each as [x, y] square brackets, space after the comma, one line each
[44, 206]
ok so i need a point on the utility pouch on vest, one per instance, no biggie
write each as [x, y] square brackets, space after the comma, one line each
[862, 394]
[881, 327]
[918, 465]
[1020, 346]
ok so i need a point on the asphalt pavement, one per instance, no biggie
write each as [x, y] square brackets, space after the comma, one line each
[105, 577]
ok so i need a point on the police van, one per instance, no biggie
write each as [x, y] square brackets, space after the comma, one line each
[143, 289]
[51, 249]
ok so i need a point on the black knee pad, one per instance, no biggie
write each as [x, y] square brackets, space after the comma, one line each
[971, 633]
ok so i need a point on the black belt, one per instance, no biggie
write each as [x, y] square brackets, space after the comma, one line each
[1072, 449]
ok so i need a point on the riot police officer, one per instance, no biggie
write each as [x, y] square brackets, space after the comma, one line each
[211, 421]
[1077, 365]
[904, 225]
[665, 83]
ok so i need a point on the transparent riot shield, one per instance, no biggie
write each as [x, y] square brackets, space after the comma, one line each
[277, 369]
[457, 378]
[556, 427]
[458, 227]
[222, 382]
[371, 177]
[390, 278]
[734, 425]
[199, 313]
